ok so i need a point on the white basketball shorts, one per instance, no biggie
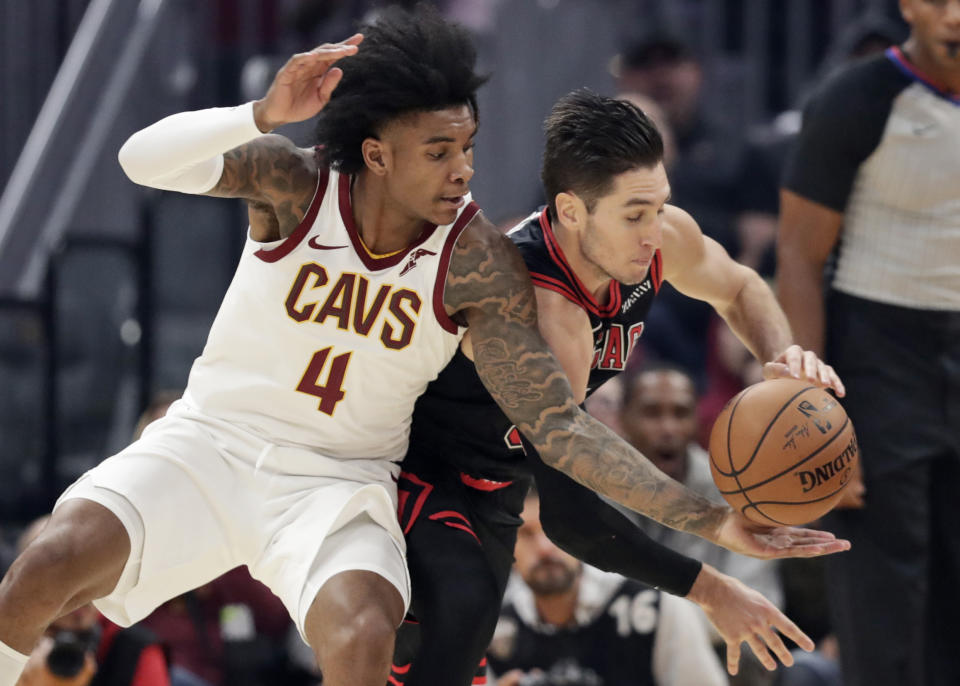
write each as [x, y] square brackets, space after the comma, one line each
[199, 496]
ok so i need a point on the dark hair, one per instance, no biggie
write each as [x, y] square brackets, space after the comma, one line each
[408, 62]
[656, 50]
[590, 140]
[631, 376]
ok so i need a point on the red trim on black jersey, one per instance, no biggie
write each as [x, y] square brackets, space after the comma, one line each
[656, 271]
[483, 484]
[586, 297]
[444, 516]
[555, 285]
[369, 261]
[299, 233]
[469, 212]
[421, 498]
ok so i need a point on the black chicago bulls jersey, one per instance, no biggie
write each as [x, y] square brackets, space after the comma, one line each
[456, 422]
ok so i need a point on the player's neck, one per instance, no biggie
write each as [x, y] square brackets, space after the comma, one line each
[920, 57]
[383, 227]
[594, 279]
[558, 609]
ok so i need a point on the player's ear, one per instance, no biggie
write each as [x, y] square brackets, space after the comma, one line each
[906, 11]
[375, 155]
[571, 211]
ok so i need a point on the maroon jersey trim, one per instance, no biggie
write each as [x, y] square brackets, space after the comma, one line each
[369, 261]
[299, 233]
[586, 298]
[439, 311]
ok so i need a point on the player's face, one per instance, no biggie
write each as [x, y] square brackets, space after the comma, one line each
[625, 228]
[935, 32]
[545, 568]
[660, 419]
[430, 162]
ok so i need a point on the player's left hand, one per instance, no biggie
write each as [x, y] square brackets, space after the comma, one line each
[797, 363]
[739, 534]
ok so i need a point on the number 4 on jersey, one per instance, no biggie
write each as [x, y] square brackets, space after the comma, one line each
[331, 392]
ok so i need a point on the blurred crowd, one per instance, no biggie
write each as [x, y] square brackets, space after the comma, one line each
[687, 365]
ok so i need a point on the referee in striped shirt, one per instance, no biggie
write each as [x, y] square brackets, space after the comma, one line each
[875, 179]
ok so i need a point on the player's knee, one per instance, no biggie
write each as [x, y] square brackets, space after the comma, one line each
[367, 634]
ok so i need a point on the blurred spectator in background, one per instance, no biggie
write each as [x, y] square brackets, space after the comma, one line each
[605, 402]
[232, 631]
[567, 624]
[875, 172]
[83, 648]
[703, 179]
[659, 418]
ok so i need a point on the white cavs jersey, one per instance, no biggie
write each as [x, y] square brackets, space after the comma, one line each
[322, 344]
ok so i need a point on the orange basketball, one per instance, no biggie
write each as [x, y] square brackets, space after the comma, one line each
[782, 451]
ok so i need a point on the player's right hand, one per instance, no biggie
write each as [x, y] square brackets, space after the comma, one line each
[739, 534]
[741, 614]
[303, 85]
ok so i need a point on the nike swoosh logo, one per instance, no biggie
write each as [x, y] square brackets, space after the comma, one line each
[921, 129]
[313, 244]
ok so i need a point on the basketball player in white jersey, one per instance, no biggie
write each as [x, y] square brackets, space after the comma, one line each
[365, 260]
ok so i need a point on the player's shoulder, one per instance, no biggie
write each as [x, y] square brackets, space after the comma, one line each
[484, 263]
[682, 237]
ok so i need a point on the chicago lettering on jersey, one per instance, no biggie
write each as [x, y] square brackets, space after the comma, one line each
[351, 305]
[613, 350]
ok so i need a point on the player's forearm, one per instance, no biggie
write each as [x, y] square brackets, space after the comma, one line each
[590, 453]
[589, 528]
[184, 152]
[757, 319]
[800, 289]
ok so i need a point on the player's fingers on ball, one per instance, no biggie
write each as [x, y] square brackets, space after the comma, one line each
[794, 360]
[810, 365]
[836, 382]
[776, 370]
[760, 650]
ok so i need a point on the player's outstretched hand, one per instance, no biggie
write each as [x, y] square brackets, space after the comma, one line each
[797, 363]
[741, 614]
[739, 534]
[303, 85]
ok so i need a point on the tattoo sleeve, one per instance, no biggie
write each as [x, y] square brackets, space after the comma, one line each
[488, 285]
[270, 173]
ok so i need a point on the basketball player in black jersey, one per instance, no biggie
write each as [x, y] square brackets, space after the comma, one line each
[597, 254]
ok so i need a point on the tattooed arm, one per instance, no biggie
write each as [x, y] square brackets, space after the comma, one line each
[223, 152]
[489, 288]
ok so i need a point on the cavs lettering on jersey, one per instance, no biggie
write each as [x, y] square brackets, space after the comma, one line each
[457, 421]
[321, 343]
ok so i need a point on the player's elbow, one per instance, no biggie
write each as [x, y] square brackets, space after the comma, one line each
[133, 161]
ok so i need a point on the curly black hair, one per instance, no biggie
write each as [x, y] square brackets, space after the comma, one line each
[408, 62]
[590, 140]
